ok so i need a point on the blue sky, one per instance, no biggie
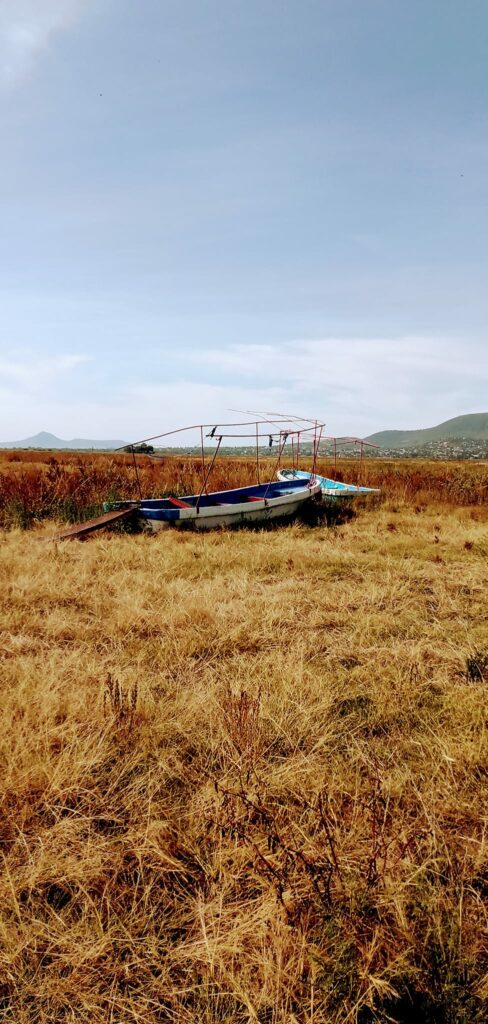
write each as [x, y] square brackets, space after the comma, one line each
[216, 204]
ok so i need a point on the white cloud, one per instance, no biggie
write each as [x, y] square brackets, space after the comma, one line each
[30, 376]
[349, 360]
[129, 413]
[363, 384]
[356, 385]
[168, 406]
[27, 28]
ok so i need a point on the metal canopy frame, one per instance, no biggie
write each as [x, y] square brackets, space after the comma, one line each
[347, 442]
[274, 429]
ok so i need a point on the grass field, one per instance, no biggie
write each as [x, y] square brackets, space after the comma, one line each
[244, 776]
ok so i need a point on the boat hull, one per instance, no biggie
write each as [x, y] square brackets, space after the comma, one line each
[329, 488]
[245, 506]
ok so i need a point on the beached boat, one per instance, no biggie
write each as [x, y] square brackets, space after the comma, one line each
[255, 504]
[258, 503]
[329, 488]
[244, 505]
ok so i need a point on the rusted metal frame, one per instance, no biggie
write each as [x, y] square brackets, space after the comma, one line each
[279, 417]
[278, 460]
[316, 445]
[341, 442]
[257, 453]
[196, 426]
[137, 474]
[203, 453]
[204, 486]
[265, 433]
[350, 440]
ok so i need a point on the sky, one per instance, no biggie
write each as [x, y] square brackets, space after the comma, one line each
[209, 205]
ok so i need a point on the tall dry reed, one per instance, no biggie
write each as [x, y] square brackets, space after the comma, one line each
[35, 486]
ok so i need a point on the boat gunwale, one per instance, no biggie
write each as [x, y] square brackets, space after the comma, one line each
[154, 509]
[331, 488]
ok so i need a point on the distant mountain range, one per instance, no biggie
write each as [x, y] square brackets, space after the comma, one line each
[45, 440]
[473, 427]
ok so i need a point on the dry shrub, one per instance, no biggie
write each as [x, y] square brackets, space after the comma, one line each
[120, 703]
[241, 717]
[477, 666]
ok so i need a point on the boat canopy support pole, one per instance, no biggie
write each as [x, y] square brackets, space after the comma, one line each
[137, 474]
[257, 451]
[209, 470]
[281, 445]
[316, 444]
[203, 453]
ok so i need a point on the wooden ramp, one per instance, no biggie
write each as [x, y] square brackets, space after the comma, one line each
[81, 530]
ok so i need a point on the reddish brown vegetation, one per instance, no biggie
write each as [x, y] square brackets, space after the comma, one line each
[70, 485]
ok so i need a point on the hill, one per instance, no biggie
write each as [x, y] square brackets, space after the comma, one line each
[473, 426]
[46, 440]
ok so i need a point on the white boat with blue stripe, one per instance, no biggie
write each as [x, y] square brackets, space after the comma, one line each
[329, 488]
[238, 507]
[254, 504]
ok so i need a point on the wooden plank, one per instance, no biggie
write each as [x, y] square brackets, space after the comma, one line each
[81, 530]
[178, 503]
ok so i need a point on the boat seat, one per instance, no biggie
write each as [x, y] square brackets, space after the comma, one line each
[178, 503]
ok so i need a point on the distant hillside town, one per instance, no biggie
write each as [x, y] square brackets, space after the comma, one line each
[452, 448]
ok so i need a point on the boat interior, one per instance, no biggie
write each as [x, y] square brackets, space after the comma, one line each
[256, 492]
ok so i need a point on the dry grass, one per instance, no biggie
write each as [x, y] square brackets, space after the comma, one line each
[39, 485]
[244, 776]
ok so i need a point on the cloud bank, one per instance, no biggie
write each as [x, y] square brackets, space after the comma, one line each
[27, 28]
[31, 376]
[362, 384]
[356, 385]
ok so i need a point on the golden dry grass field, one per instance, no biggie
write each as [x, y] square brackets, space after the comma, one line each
[244, 776]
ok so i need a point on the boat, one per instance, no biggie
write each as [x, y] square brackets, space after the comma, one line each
[251, 504]
[329, 488]
[256, 504]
